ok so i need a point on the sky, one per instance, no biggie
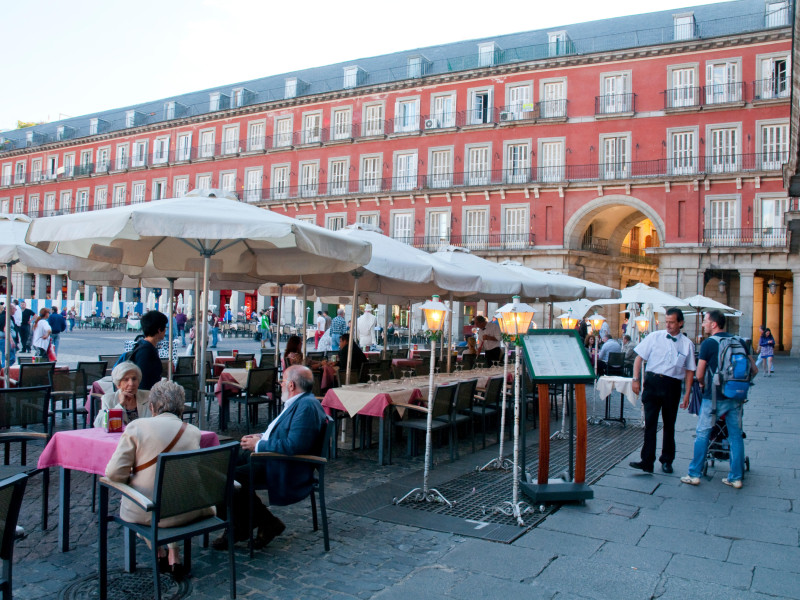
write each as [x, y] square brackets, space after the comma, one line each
[79, 57]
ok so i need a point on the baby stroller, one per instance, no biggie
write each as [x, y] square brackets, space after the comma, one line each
[718, 448]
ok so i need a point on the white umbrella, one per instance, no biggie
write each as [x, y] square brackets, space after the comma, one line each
[115, 305]
[644, 294]
[151, 301]
[179, 303]
[496, 282]
[593, 290]
[189, 305]
[59, 299]
[578, 308]
[701, 302]
[205, 230]
[558, 288]
[78, 302]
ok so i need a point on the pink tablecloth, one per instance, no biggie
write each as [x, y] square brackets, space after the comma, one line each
[89, 450]
[237, 376]
[219, 364]
[406, 362]
[13, 373]
[372, 406]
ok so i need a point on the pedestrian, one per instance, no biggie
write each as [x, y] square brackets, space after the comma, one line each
[180, 320]
[14, 343]
[265, 327]
[489, 336]
[58, 325]
[338, 327]
[760, 358]
[714, 325]
[365, 326]
[213, 328]
[328, 321]
[41, 334]
[670, 361]
[767, 345]
[71, 315]
[144, 353]
[24, 326]
[320, 331]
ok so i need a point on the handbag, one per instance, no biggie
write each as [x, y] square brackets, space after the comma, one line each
[51, 352]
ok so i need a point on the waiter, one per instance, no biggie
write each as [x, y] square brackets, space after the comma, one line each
[670, 362]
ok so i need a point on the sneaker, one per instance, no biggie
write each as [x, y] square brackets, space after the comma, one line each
[737, 485]
[690, 480]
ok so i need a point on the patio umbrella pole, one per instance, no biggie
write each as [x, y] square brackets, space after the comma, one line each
[424, 494]
[305, 321]
[501, 462]
[201, 371]
[170, 309]
[197, 320]
[7, 348]
[386, 308]
[353, 330]
[278, 326]
[450, 336]
[409, 330]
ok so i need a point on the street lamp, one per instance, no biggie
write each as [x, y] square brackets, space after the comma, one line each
[568, 321]
[597, 321]
[434, 312]
[773, 284]
[514, 319]
[642, 323]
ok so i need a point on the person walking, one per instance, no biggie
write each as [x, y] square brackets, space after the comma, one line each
[180, 321]
[320, 329]
[767, 345]
[41, 334]
[13, 336]
[58, 325]
[489, 336]
[338, 327]
[24, 326]
[707, 365]
[213, 328]
[670, 360]
[760, 358]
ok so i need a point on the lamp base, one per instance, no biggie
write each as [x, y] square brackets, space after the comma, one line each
[500, 464]
[513, 509]
[420, 495]
[557, 492]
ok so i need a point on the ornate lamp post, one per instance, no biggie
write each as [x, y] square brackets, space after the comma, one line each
[514, 319]
[642, 324]
[568, 321]
[434, 311]
[597, 321]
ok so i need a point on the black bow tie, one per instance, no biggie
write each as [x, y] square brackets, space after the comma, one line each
[674, 339]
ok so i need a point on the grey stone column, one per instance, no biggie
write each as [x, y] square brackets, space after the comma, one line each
[746, 302]
[795, 351]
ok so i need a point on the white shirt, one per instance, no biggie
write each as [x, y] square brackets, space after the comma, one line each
[492, 329]
[320, 323]
[287, 404]
[667, 357]
[364, 325]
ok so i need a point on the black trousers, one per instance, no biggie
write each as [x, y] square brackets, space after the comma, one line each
[25, 337]
[241, 498]
[661, 394]
[492, 355]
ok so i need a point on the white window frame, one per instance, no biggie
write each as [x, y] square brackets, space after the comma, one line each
[312, 127]
[65, 201]
[519, 100]
[335, 221]
[728, 233]
[49, 204]
[103, 159]
[406, 114]
[256, 135]
[475, 236]
[440, 166]
[120, 191]
[206, 143]
[51, 167]
[227, 181]
[130, 119]
[487, 54]
[100, 197]
[406, 233]
[683, 93]
[183, 147]
[372, 218]
[474, 175]
[777, 13]
[617, 166]
[442, 115]
[520, 170]
[370, 181]
[773, 158]
[350, 77]
[280, 181]
[161, 150]
[4, 205]
[729, 162]
[308, 173]
[8, 174]
[405, 170]
[551, 172]
[768, 86]
[230, 139]
[683, 26]
[19, 205]
[373, 124]
[515, 239]
[33, 205]
[290, 88]
[480, 115]
[122, 157]
[253, 184]
[438, 227]
[307, 219]
[557, 43]
[180, 186]
[616, 100]
[82, 200]
[342, 123]
[679, 161]
[158, 189]
[139, 153]
[202, 179]
[338, 175]
[138, 192]
[727, 91]
[19, 171]
[770, 229]
[283, 131]
[94, 126]
[36, 169]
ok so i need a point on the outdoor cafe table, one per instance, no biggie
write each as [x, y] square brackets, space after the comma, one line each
[13, 374]
[624, 385]
[87, 450]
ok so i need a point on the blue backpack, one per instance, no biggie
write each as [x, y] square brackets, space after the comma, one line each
[734, 370]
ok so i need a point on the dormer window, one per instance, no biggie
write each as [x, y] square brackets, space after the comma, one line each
[684, 27]
[418, 66]
[778, 13]
[353, 76]
[559, 43]
[97, 126]
[290, 88]
[64, 132]
[488, 54]
[241, 97]
[218, 101]
[133, 118]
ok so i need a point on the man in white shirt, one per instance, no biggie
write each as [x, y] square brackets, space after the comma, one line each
[670, 361]
[489, 336]
[320, 329]
[365, 326]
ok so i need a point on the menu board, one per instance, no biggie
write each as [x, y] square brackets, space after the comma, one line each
[557, 356]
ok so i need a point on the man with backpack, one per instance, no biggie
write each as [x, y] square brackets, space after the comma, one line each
[724, 370]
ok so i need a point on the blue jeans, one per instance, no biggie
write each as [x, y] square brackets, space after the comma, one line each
[214, 335]
[12, 356]
[335, 340]
[182, 333]
[55, 338]
[731, 410]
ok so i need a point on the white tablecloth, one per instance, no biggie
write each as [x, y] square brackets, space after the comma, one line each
[608, 383]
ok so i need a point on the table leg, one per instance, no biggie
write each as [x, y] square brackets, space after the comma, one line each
[129, 550]
[63, 508]
[380, 439]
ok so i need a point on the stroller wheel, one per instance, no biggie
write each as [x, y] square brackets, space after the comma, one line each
[705, 468]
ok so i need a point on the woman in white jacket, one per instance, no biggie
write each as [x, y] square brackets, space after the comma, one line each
[41, 334]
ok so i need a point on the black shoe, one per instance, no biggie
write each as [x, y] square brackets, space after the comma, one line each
[221, 543]
[267, 533]
[666, 467]
[641, 466]
[179, 572]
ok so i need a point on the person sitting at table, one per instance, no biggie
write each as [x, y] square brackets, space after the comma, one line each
[133, 401]
[609, 345]
[359, 358]
[472, 346]
[293, 353]
[295, 431]
[132, 462]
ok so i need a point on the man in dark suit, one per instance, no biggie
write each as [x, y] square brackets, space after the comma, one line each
[295, 431]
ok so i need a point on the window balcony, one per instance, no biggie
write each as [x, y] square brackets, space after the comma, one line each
[517, 112]
[682, 97]
[766, 237]
[614, 104]
[488, 241]
[84, 170]
[551, 109]
[771, 89]
[724, 93]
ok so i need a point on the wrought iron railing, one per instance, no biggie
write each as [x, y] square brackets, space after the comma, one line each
[488, 241]
[763, 237]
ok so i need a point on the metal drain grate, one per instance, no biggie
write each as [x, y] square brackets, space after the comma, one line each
[127, 586]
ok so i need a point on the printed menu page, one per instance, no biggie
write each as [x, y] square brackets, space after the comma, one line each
[557, 356]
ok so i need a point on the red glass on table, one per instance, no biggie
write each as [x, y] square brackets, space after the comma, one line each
[235, 354]
[114, 424]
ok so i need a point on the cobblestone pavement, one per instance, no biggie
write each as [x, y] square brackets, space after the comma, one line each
[642, 536]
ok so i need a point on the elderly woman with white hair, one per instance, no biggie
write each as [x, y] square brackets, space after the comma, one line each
[133, 401]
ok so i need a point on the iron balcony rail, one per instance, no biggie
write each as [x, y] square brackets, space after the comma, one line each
[763, 237]
[489, 241]
[726, 93]
[161, 111]
[611, 104]
[772, 88]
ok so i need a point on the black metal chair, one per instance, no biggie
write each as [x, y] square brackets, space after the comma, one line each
[462, 412]
[443, 400]
[615, 364]
[94, 371]
[22, 411]
[191, 388]
[11, 492]
[185, 365]
[262, 387]
[487, 404]
[468, 361]
[111, 360]
[185, 481]
[36, 374]
[318, 459]
[69, 388]
[267, 359]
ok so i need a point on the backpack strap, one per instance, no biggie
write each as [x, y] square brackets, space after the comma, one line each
[169, 447]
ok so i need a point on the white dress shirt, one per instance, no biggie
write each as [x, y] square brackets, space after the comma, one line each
[665, 356]
[287, 404]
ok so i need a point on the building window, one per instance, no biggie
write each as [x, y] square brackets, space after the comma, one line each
[309, 179]
[372, 219]
[342, 123]
[778, 13]
[137, 197]
[405, 171]
[283, 132]
[443, 111]
[373, 120]
[353, 76]
[774, 83]
[50, 204]
[19, 205]
[207, 143]
[36, 169]
[255, 136]
[217, 101]
[169, 110]
[337, 176]
[682, 154]
[122, 157]
[476, 227]
[69, 165]
[103, 160]
[478, 165]
[204, 182]
[616, 156]
[280, 183]
[139, 158]
[312, 128]
[227, 182]
[335, 222]
[33, 206]
[93, 126]
[440, 171]
[307, 219]
[230, 139]
[518, 163]
[559, 43]
[437, 232]
[100, 198]
[406, 115]
[19, 172]
[403, 227]
[515, 227]
[86, 162]
[722, 219]
[180, 186]
[290, 88]
[119, 195]
[161, 150]
[551, 159]
[519, 103]
[488, 54]
[722, 83]
[252, 185]
[82, 201]
[65, 202]
[724, 150]
[683, 90]
[480, 106]
[184, 147]
[6, 179]
[52, 167]
[159, 189]
[771, 215]
[684, 27]
[615, 96]
[4, 205]
[130, 118]
[774, 145]
[371, 174]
